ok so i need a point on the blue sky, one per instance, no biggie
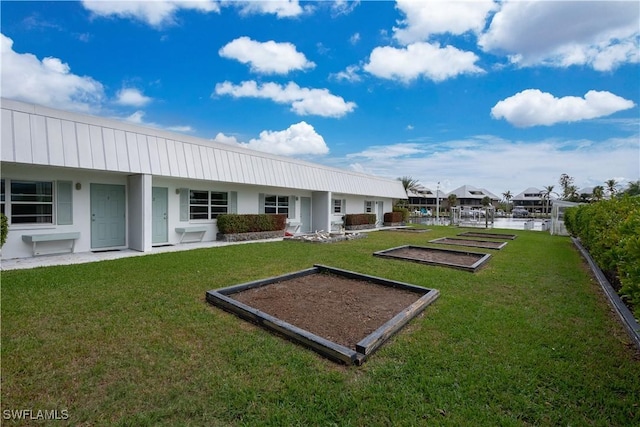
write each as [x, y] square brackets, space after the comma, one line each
[499, 95]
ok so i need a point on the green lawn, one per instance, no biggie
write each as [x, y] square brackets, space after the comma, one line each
[528, 340]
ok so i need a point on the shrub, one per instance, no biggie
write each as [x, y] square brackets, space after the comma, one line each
[610, 231]
[395, 216]
[359, 219]
[404, 211]
[4, 229]
[250, 223]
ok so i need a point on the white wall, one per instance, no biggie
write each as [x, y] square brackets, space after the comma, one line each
[139, 212]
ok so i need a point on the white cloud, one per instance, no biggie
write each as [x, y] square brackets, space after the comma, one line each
[303, 101]
[48, 82]
[344, 7]
[299, 139]
[355, 38]
[420, 59]
[505, 165]
[425, 18]
[226, 139]
[138, 119]
[268, 57]
[282, 9]
[155, 13]
[600, 34]
[532, 107]
[350, 74]
[395, 151]
[131, 97]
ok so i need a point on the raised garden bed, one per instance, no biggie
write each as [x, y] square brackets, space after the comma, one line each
[468, 261]
[408, 229]
[324, 237]
[488, 235]
[340, 314]
[476, 243]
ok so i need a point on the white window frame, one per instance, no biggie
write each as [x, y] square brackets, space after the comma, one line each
[9, 203]
[279, 204]
[211, 205]
[337, 206]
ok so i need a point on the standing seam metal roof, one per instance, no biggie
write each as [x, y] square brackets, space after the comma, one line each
[33, 134]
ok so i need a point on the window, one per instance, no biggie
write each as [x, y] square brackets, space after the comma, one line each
[207, 204]
[31, 202]
[337, 206]
[276, 204]
[368, 206]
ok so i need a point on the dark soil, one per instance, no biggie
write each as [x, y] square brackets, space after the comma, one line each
[338, 309]
[444, 257]
[471, 242]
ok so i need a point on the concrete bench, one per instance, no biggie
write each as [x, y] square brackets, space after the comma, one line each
[183, 231]
[51, 237]
[293, 227]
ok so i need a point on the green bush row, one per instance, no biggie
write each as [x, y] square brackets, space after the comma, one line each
[250, 223]
[610, 231]
[359, 219]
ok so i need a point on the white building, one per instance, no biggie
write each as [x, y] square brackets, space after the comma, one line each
[82, 183]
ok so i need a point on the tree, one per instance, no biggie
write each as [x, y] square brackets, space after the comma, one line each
[612, 187]
[633, 189]
[453, 200]
[566, 182]
[507, 198]
[571, 193]
[546, 196]
[598, 193]
[409, 184]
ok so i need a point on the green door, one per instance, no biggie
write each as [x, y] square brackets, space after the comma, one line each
[159, 207]
[108, 216]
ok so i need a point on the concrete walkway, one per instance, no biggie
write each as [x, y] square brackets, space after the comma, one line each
[84, 257]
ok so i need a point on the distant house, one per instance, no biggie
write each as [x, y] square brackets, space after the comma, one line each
[532, 199]
[83, 183]
[424, 200]
[469, 196]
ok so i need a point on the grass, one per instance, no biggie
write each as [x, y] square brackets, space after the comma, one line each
[528, 340]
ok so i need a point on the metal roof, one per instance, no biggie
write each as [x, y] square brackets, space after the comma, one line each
[33, 134]
[471, 192]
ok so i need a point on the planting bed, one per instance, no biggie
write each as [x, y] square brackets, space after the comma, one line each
[489, 235]
[338, 313]
[408, 230]
[476, 243]
[468, 261]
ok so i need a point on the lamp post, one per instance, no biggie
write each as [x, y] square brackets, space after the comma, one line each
[438, 203]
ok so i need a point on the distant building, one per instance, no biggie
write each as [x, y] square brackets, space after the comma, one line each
[425, 200]
[532, 199]
[469, 196]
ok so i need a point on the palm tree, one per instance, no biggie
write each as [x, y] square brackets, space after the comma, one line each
[453, 200]
[633, 189]
[571, 193]
[409, 184]
[598, 193]
[507, 198]
[546, 195]
[612, 185]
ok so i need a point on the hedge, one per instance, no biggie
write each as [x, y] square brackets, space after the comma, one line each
[404, 211]
[393, 217]
[610, 231]
[250, 223]
[4, 229]
[359, 219]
